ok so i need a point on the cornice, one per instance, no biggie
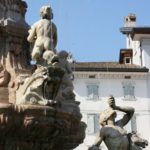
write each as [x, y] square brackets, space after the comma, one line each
[110, 75]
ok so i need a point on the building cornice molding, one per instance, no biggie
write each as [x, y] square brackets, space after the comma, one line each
[146, 41]
[110, 75]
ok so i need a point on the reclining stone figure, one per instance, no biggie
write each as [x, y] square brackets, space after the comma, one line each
[112, 132]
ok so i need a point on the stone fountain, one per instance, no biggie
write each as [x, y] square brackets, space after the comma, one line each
[38, 109]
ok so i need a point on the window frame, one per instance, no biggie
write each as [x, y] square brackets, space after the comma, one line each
[129, 93]
[127, 58]
[97, 95]
[95, 124]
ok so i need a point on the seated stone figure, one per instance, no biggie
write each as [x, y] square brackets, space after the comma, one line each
[43, 35]
[112, 132]
[66, 87]
[42, 86]
[49, 83]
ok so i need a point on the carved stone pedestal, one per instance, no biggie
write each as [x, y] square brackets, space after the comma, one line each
[28, 127]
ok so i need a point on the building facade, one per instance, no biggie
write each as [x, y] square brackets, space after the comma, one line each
[128, 80]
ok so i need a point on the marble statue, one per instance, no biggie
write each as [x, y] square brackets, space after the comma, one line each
[43, 34]
[49, 83]
[112, 132]
[37, 103]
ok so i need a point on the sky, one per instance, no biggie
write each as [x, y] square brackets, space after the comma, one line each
[90, 29]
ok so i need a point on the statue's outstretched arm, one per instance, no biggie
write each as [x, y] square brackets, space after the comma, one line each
[127, 117]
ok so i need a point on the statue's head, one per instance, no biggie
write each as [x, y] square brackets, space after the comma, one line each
[106, 115]
[46, 12]
[63, 54]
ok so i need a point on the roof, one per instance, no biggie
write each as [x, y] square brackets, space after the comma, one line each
[126, 30]
[143, 30]
[107, 67]
[135, 30]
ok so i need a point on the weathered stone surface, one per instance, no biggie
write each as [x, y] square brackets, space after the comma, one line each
[37, 105]
[39, 127]
[14, 49]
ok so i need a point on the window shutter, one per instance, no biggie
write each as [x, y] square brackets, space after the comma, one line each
[92, 91]
[133, 123]
[90, 124]
[96, 123]
[128, 91]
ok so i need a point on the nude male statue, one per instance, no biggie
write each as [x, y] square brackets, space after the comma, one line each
[112, 132]
[43, 34]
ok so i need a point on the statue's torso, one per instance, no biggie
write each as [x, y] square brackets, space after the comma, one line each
[45, 31]
[44, 28]
[116, 138]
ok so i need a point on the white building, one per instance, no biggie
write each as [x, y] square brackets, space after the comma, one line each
[128, 80]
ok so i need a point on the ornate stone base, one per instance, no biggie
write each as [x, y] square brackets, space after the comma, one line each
[34, 127]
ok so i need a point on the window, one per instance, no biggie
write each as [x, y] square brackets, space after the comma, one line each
[127, 60]
[128, 90]
[92, 123]
[93, 91]
[133, 124]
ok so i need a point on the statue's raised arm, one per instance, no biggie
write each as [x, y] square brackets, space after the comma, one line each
[129, 111]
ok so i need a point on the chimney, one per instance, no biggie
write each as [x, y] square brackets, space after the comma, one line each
[130, 20]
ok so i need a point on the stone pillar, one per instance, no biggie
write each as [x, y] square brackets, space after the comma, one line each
[14, 49]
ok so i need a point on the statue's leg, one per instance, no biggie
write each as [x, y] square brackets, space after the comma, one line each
[36, 53]
[48, 44]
